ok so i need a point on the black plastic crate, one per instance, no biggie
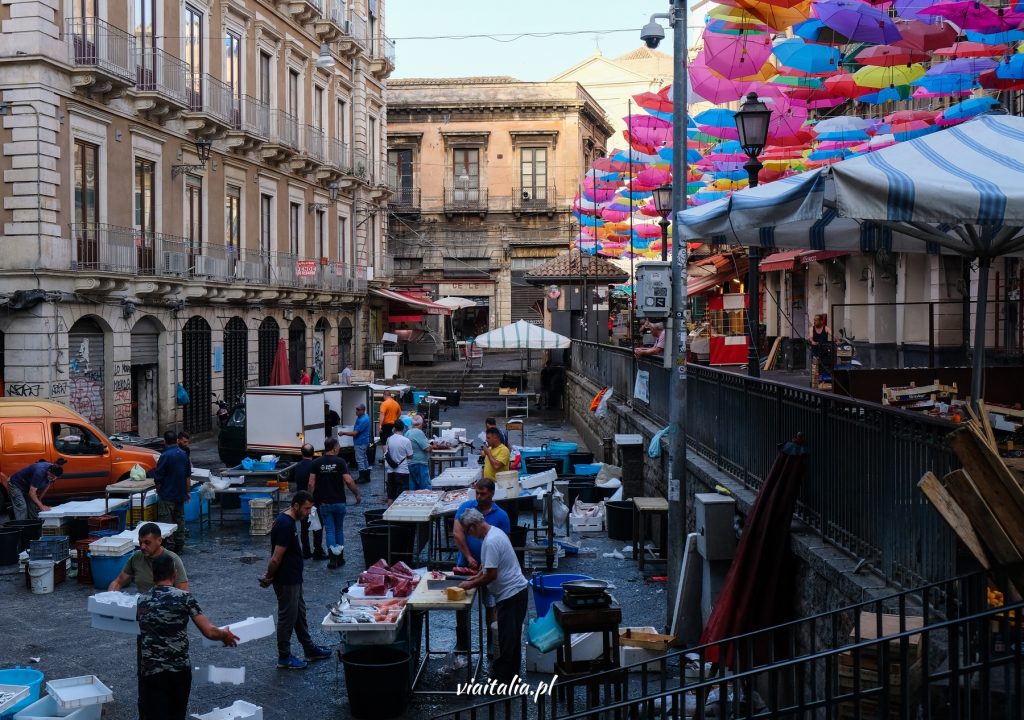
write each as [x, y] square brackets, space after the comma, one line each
[49, 548]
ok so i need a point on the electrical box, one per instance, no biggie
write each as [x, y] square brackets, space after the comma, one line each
[716, 536]
[653, 289]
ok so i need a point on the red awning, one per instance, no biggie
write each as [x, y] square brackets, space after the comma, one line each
[425, 305]
[715, 270]
[810, 256]
[785, 260]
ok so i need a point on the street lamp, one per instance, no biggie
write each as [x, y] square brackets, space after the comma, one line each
[752, 121]
[325, 60]
[663, 204]
[203, 147]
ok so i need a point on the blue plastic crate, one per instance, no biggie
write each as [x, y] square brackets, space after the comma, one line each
[588, 469]
[54, 547]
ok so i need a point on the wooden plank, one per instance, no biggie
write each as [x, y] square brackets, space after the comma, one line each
[962, 489]
[986, 425]
[773, 354]
[994, 482]
[947, 507]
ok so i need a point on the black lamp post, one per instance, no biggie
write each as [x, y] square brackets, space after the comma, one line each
[752, 120]
[203, 147]
[663, 204]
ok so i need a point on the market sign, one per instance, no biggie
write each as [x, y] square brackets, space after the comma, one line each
[306, 268]
[465, 289]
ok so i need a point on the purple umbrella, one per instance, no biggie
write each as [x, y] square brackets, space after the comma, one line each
[962, 66]
[736, 56]
[911, 9]
[857, 21]
[972, 15]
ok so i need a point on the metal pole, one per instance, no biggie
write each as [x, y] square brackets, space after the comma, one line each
[754, 311]
[676, 345]
[978, 361]
[664, 238]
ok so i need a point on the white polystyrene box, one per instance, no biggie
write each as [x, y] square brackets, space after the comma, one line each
[113, 624]
[114, 604]
[252, 628]
[585, 646]
[219, 675]
[45, 708]
[238, 710]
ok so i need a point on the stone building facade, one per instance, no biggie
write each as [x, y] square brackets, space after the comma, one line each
[129, 261]
[486, 169]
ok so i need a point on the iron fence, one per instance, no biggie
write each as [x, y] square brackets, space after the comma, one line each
[336, 12]
[211, 97]
[315, 144]
[254, 118]
[285, 128]
[97, 44]
[533, 199]
[866, 459]
[939, 651]
[338, 156]
[465, 200]
[358, 29]
[161, 73]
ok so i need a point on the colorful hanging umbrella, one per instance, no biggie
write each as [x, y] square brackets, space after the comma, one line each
[857, 21]
[843, 85]
[968, 49]
[776, 17]
[713, 88]
[807, 57]
[889, 55]
[909, 115]
[970, 15]
[962, 66]
[966, 110]
[1012, 69]
[653, 102]
[924, 36]
[990, 81]
[886, 95]
[814, 30]
[841, 123]
[735, 56]
[1010, 36]
[911, 9]
[880, 77]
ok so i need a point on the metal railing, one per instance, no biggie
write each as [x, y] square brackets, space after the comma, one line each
[284, 128]
[382, 48]
[253, 268]
[936, 651]
[336, 12]
[361, 165]
[114, 249]
[338, 156]
[317, 5]
[383, 266]
[162, 73]
[465, 200]
[866, 459]
[534, 199]
[404, 199]
[182, 258]
[315, 146]
[97, 44]
[358, 29]
[209, 96]
[254, 118]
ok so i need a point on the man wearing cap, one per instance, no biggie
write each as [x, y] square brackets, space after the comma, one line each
[360, 433]
[171, 476]
[28, 485]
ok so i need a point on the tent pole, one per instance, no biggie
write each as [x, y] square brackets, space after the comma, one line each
[978, 362]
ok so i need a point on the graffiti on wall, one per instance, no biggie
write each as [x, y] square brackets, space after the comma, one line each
[318, 355]
[122, 396]
[85, 392]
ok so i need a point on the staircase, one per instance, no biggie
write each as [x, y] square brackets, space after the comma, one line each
[467, 381]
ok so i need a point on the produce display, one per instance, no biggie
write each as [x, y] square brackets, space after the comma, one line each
[387, 612]
[453, 498]
[379, 578]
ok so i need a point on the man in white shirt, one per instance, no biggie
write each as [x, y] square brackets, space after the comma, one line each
[399, 451]
[506, 585]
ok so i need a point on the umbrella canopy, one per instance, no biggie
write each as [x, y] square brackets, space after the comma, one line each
[521, 335]
[455, 303]
[857, 21]
[279, 372]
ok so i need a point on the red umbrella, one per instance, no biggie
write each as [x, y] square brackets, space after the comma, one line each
[279, 373]
[971, 49]
[889, 55]
[843, 85]
[924, 36]
[990, 81]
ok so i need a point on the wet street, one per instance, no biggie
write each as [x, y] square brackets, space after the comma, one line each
[223, 563]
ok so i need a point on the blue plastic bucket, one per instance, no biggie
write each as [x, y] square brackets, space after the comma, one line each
[590, 469]
[194, 505]
[561, 448]
[244, 500]
[122, 516]
[22, 676]
[547, 589]
[418, 395]
[106, 568]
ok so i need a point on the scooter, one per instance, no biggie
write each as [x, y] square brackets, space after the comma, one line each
[846, 352]
[223, 411]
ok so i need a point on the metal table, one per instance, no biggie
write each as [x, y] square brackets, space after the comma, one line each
[424, 601]
[516, 402]
[440, 457]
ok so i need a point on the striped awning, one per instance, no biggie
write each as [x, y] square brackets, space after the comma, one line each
[426, 306]
[777, 262]
[522, 335]
[960, 190]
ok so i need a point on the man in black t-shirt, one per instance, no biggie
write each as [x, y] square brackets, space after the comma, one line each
[284, 572]
[327, 481]
[300, 476]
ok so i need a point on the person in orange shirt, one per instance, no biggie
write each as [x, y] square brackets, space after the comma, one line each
[390, 411]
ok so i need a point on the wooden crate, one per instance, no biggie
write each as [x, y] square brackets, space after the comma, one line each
[868, 664]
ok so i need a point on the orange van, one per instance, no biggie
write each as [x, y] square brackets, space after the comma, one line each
[33, 430]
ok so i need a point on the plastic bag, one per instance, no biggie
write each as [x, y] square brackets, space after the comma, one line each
[248, 463]
[181, 395]
[582, 509]
[608, 472]
[314, 521]
[560, 516]
[137, 473]
[545, 633]
[654, 449]
[602, 406]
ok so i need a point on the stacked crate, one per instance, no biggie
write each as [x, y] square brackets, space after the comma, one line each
[261, 514]
[82, 553]
[49, 548]
[869, 663]
[104, 522]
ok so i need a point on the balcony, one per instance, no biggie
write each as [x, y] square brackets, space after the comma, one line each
[182, 258]
[382, 57]
[211, 106]
[465, 201]
[535, 199]
[383, 268]
[102, 57]
[161, 84]
[340, 277]
[358, 31]
[333, 26]
[283, 143]
[361, 167]
[314, 151]
[338, 162]
[251, 127]
[304, 11]
[112, 249]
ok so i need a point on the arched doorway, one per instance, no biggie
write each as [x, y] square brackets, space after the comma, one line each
[269, 333]
[236, 356]
[344, 343]
[86, 358]
[296, 348]
[145, 392]
[195, 373]
[320, 349]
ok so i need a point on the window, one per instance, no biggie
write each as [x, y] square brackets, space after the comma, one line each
[293, 93]
[233, 220]
[76, 440]
[318, 107]
[87, 202]
[318, 232]
[401, 162]
[341, 122]
[233, 63]
[266, 218]
[145, 32]
[466, 175]
[264, 71]
[533, 174]
[345, 253]
[194, 212]
[371, 146]
[145, 214]
[294, 213]
[83, 9]
[193, 33]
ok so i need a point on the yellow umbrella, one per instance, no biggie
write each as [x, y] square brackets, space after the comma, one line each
[875, 76]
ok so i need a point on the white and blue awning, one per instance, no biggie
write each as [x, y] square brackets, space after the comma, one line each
[960, 190]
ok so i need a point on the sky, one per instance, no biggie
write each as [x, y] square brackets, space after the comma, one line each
[527, 58]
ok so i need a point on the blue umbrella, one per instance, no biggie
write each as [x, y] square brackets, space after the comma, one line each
[843, 136]
[858, 21]
[1000, 38]
[716, 117]
[969, 108]
[962, 66]
[1013, 69]
[946, 83]
[806, 57]
[815, 30]
[893, 94]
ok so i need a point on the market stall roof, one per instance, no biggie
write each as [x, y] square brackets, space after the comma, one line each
[789, 259]
[711, 272]
[425, 305]
[522, 335]
[568, 266]
[456, 303]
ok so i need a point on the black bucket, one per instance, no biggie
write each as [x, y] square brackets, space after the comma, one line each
[30, 530]
[539, 465]
[517, 537]
[374, 539]
[580, 458]
[369, 669]
[374, 517]
[585, 491]
[620, 519]
[10, 544]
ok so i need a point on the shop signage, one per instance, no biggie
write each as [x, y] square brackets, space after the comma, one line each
[465, 289]
[306, 268]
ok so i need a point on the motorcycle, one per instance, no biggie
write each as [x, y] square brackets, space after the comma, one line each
[846, 352]
[223, 411]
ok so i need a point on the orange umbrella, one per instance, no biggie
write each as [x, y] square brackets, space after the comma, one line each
[279, 373]
[778, 18]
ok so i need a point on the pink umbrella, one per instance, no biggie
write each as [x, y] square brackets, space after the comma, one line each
[714, 88]
[971, 15]
[970, 49]
[736, 56]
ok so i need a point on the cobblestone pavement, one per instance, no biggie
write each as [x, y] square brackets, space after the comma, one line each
[55, 628]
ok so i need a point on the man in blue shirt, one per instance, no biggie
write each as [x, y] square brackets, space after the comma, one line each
[28, 485]
[419, 473]
[360, 433]
[171, 475]
[469, 546]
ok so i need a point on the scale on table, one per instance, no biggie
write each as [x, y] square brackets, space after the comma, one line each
[586, 594]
